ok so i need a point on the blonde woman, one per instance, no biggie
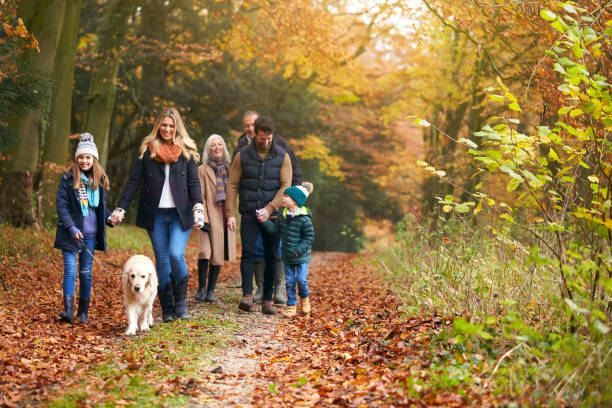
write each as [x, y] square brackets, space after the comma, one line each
[170, 205]
[217, 243]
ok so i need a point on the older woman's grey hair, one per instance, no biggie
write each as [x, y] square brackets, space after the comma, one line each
[206, 150]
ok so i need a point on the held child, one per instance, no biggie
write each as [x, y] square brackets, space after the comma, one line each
[82, 213]
[294, 224]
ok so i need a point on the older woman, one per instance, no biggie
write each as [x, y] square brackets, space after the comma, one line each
[217, 243]
[169, 206]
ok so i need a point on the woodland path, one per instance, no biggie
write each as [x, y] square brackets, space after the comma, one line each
[355, 350]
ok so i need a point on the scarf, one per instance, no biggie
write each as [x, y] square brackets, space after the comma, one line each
[88, 198]
[167, 153]
[219, 165]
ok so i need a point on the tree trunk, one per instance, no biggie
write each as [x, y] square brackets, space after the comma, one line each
[46, 26]
[56, 141]
[102, 89]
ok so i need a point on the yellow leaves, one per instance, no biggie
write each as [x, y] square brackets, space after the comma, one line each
[313, 147]
[86, 40]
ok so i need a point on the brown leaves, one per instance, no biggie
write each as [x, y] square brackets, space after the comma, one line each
[355, 350]
[36, 350]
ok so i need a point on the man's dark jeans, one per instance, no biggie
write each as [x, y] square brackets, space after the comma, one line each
[250, 228]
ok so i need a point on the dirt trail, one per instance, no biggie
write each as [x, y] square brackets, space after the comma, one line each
[234, 375]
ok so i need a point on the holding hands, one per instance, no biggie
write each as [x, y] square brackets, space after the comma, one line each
[117, 216]
[262, 215]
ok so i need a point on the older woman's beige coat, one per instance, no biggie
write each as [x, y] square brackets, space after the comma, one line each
[211, 243]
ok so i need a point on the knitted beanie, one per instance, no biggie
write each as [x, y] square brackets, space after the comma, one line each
[299, 194]
[86, 146]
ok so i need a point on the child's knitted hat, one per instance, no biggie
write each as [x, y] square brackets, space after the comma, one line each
[86, 146]
[299, 194]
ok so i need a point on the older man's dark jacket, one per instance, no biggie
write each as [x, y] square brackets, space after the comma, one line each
[296, 179]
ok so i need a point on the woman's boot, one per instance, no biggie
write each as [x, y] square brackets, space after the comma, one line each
[83, 310]
[180, 299]
[68, 315]
[166, 299]
[202, 270]
[213, 274]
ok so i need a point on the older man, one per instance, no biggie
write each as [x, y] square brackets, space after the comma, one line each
[248, 121]
[259, 175]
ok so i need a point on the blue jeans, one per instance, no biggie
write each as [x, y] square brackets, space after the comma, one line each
[296, 274]
[85, 263]
[169, 240]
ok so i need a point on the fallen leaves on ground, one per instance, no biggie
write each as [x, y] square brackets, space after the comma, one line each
[355, 350]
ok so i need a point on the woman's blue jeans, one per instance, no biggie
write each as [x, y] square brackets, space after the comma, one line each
[169, 240]
[296, 274]
[85, 263]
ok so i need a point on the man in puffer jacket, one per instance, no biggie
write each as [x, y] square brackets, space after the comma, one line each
[294, 224]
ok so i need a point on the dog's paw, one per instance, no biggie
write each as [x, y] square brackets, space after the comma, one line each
[130, 331]
[144, 327]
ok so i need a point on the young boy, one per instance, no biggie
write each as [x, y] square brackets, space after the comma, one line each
[294, 224]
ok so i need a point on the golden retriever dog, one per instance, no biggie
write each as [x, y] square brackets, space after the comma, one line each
[139, 282]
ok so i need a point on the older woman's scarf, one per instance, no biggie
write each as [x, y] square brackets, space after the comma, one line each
[87, 197]
[219, 165]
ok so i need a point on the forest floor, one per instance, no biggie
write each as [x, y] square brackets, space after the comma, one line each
[355, 350]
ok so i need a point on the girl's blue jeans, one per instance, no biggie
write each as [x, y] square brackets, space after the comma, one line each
[296, 274]
[85, 263]
[169, 240]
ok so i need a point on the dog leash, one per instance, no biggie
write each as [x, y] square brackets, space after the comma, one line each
[81, 243]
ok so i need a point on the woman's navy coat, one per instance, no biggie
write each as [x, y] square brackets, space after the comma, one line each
[69, 213]
[184, 184]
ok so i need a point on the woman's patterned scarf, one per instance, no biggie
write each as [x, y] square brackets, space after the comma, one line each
[219, 165]
[88, 198]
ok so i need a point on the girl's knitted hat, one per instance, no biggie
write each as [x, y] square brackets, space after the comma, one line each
[86, 146]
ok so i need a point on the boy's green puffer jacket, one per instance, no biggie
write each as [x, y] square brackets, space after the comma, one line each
[297, 234]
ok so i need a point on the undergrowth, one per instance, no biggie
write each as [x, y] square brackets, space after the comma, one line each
[506, 309]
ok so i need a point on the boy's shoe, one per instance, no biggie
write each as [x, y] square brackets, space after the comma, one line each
[291, 311]
[305, 305]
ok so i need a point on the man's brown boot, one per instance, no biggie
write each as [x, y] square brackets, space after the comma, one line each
[305, 303]
[267, 307]
[247, 303]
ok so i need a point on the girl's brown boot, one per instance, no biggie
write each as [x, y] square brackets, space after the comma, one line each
[305, 305]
